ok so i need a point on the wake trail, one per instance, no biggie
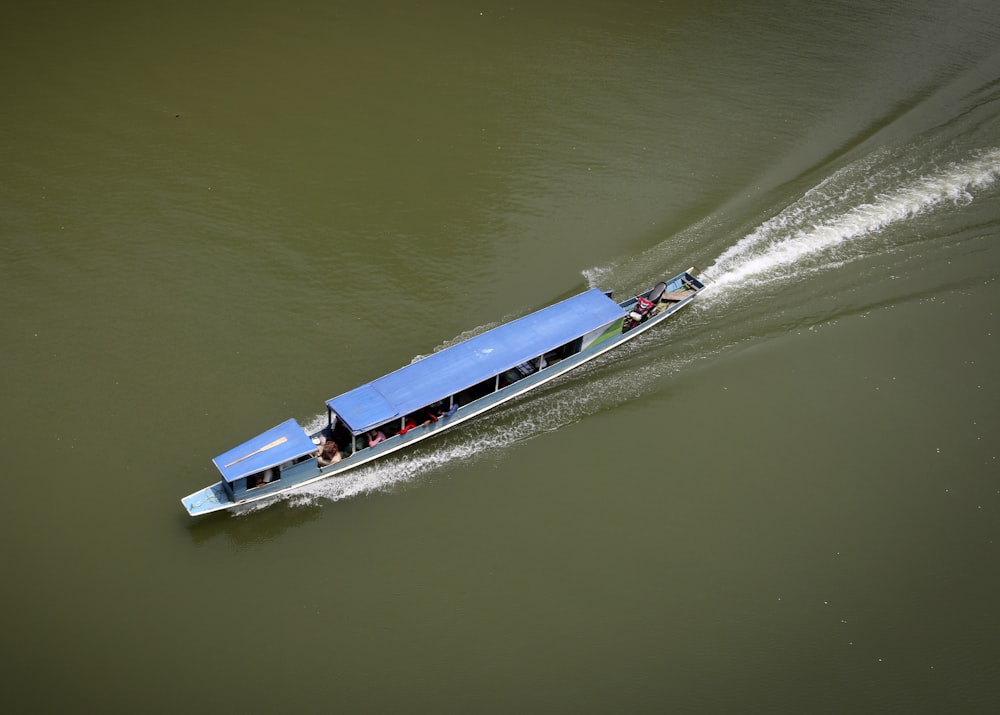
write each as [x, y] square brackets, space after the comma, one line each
[831, 224]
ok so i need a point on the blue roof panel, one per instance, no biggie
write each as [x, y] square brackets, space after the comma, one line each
[366, 406]
[455, 368]
[279, 444]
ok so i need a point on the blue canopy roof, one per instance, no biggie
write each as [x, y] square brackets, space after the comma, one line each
[279, 444]
[455, 368]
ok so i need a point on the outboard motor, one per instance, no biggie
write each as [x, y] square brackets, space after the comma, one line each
[644, 307]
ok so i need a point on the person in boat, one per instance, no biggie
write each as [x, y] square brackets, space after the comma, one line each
[409, 423]
[329, 454]
[375, 436]
[428, 414]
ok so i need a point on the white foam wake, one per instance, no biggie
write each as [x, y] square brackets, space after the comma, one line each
[817, 225]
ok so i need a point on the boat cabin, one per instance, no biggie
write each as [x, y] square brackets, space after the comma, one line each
[460, 375]
[257, 466]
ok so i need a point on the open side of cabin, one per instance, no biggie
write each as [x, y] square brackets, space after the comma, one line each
[454, 379]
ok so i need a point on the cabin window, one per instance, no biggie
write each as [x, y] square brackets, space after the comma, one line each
[365, 440]
[389, 429]
[563, 351]
[264, 478]
[483, 389]
[572, 347]
[424, 416]
[343, 437]
[518, 372]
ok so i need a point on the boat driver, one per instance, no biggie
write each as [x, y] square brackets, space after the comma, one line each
[329, 454]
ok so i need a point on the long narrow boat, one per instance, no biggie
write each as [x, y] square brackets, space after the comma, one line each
[438, 392]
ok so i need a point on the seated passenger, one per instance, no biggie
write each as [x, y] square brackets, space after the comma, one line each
[426, 415]
[375, 436]
[408, 424]
[329, 454]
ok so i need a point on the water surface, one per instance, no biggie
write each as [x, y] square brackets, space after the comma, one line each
[215, 217]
